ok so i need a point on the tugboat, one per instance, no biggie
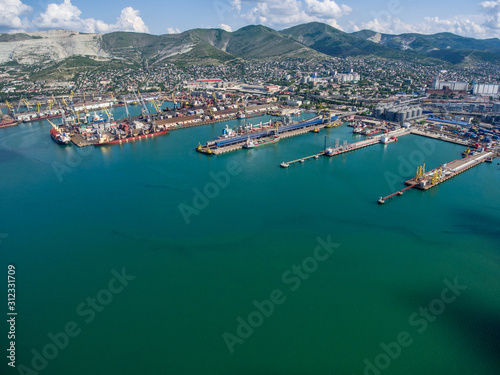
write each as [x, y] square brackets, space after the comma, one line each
[368, 131]
[315, 130]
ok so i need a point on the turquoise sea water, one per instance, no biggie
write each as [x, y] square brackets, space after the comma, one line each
[71, 216]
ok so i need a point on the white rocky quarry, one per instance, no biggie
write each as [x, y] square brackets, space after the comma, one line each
[51, 45]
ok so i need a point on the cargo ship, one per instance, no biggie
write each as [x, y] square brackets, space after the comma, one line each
[8, 123]
[106, 140]
[252, 143]
[58, 137]
[28, 117]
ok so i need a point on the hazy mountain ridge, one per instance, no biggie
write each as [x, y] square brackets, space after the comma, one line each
[212, 46]
[445, 46]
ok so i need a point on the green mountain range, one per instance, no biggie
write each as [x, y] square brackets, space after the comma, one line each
[255, 42]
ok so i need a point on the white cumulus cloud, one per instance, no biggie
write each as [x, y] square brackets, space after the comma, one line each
[492, 12]
[225, 27]
[10, 12]
[130, 20]
[326, 9]
[67, 16]
[485, 24]
[172, 30]
[430, 25]
[236, 5]
[276, 13]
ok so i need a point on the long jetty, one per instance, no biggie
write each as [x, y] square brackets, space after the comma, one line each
[382, 200]
[338, 150]
[428, 180]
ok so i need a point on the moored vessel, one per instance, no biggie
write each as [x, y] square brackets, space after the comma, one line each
[58, 137]
[106, 141]
[252, 143]
[386, 139]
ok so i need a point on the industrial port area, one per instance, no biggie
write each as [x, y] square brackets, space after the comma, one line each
[94, 125]
[89, 120]
[250, 187]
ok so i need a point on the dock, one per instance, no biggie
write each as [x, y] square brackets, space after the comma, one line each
[80, 141]
[445, 138]
[427, 180]
[302, 160]
[346, 147]
[221, 146]
[382, 200]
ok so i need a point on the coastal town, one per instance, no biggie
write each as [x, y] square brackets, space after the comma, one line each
[460, 104]
[250, 187]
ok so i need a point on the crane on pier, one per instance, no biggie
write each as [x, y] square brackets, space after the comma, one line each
[437, 176]
[140, 99]
[9, 106]
[175, 102]
[156, 106]
[108, 113]
[27, 104]
[420, 172]
[53, 125]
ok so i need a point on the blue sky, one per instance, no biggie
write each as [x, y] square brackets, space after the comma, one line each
[480, 19]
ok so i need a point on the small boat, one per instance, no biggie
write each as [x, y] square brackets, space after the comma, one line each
[284, 165]
[315, 130]
[386, 139]
[489, 159]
